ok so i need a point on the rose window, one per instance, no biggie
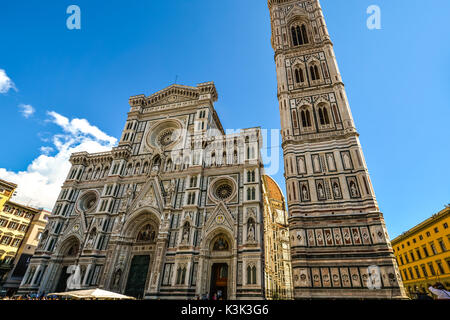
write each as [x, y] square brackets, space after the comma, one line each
[224, 191]
[166, 138]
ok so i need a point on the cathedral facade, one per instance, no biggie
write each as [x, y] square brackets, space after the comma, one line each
[339, 243]
[173, 212]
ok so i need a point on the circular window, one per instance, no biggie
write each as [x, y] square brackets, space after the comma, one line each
[165, 138]
[164, 134]
[87, 201]
[224, 191]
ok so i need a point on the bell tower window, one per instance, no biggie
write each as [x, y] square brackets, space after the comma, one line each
[299, 35]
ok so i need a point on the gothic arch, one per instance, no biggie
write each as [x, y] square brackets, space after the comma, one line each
[138, 219]
[68, 244]
[208, 241]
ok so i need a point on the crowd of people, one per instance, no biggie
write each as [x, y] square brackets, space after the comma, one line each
[437, 290]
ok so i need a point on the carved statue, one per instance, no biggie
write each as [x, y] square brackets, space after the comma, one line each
[331, 162]
[347, 163]
[251, 231]
[353, 190]
[301, 165]
[305, 193]
[320, 190]
[126, 200]
[170, 191]
[185, 233]
[90, 242]
[337, 192]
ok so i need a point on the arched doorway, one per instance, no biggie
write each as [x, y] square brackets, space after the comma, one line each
[139, 268]
[70, 251]
[219, 280]
[137, 276]
[220, 266]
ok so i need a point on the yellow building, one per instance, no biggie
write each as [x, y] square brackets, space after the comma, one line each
[25, 252]
[278, 273]
[422, 253]
[14, 221]
[6, 191]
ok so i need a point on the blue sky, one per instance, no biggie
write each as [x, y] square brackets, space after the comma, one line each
[78, 82]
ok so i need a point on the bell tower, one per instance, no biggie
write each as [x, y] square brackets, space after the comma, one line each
[339, 243]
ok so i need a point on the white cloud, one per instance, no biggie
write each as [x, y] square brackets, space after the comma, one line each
[5, 82]
[39, 185]
[26, 110]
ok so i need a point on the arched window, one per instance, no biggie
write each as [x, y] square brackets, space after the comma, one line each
[299, 35]
[169, 165]
[181, 275]
[321, 119]
[306, 118]
[251, 274]
[137, 169]
[299, 77]
[314, 71]
[323, 116]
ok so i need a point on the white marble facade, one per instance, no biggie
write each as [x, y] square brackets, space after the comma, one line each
[169, 213]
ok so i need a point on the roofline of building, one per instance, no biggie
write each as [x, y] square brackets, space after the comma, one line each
[8, 184]
[438, 216]
[23, 206]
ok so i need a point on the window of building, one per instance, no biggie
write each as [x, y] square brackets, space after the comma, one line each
[314, 71]
[306, 118]
[411, 273]
[193, 182]
[251, 274]
[424, 270]
[251, 193]
[425, 250]
[433, 248]
[15, 242]
[412, 256]
[416, 269]
[406, 258]
[251, 176]
[430, 265]
[436, 230]
[299, 35]
[6, 240]
[299, 76]
[167, 274]
[405, 274]
[323, 116]
[191, 198]
[428, 234]
[441, 269]
[181, 275]
[420, 237]
[401, 260]
[419, 255]
[442, 245]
